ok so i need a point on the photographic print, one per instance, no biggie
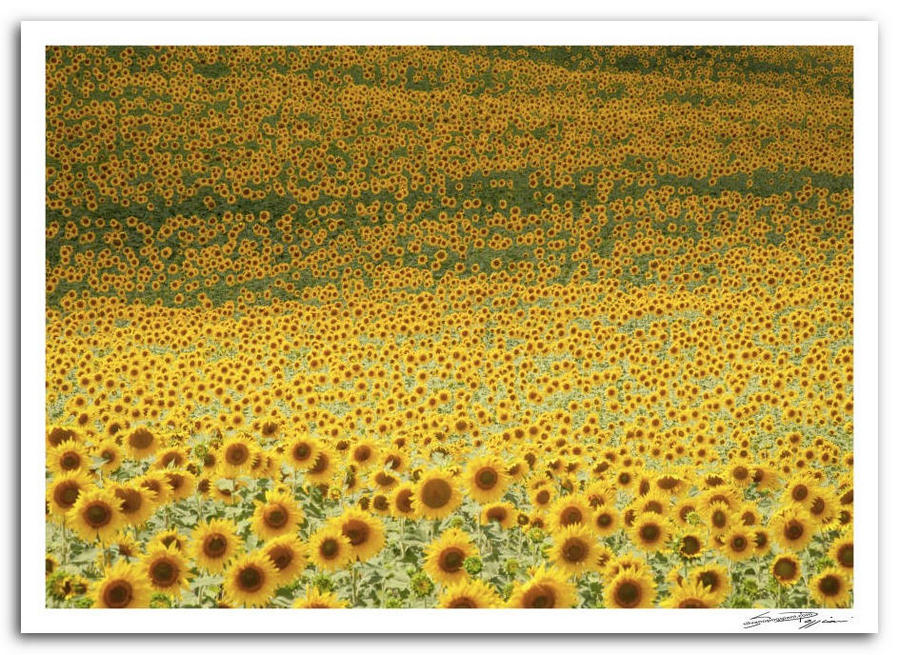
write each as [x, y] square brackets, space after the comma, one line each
[433, 326]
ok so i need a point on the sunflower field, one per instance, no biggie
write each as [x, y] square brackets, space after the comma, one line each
[476, 327]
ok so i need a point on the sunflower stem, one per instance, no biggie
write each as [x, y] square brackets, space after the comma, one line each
[353, 583]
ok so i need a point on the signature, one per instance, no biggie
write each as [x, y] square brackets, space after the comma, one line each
[804, 619]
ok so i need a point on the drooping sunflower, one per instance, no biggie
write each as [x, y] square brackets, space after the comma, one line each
[474, 594]
[288, 554]
[690, 595]
[503, 514]
[649, 532]
[122, 586]
[574, 549]
[401, 501]
[166, 569]
[323, 467]
[364, 532]
[214, 544]
[444, 557]
[63, 490]
[792, 528]
[547, 588]
[630, 589]
[436, 495]
[278, 515]
[485, 479]
[315, 599]
[715, 577]
[831, 588]
[786, 569]
[329, 549]
[95, 515]
[251, 580]
[841, 551]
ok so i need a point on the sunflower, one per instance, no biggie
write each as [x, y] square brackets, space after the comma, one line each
[436, 495]
[445, 556]
[503, 514]
[182, 483]
[95, 515]
[315, 599]
[738, 544]
[792, 528]
[127, 547]
[213, 544]
[823, 506]
[58, 434]
[841, 551]
[690, 544]
[67, 457]
[649, 532]
[364, 532]
[168, 538]
[690, 595]
[720, 517]
[323, 467]
[166, 569]
[485, 479]
[383, 481]
[329, 549]
[765, 478]
[110, 455]
[799, 489]
[715, 577]
[830, 588]
[237, 455]
[288, 554]
[122, 586]
[278, 515]
[626, 562]
[136, 502]
[157, 485]
[474, 594]
[251, 580]
[570, 510]
[300, 452]
[574, 549]
[683, 511]
[786, 569]
[762, 541]
[548, 588]
[605, 521]
[541, 496]
[364, 454]
[141, 443]
[401, 501]
[64, 489]
[630, 589]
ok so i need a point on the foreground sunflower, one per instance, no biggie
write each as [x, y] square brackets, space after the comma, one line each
[690, 595]
[485, 479]
[792, 528]
[251, 580]
[288, 554]
[474, 594]
[166, 569]
[329, 549]
[63, 490]
[278, 515]
[715, 577]
[95, 515]
[122, 586]
[445, 556]
[786, 569]
[315, 599]
[364, 532]
[436, 495]
[213, 544]
[574, 550]
[547, 589]
[830, 588]
[630, 589]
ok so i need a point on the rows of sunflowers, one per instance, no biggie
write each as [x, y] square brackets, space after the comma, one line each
[449, 327]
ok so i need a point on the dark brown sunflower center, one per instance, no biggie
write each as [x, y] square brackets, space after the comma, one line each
[97, 515]
[739, 544]
[281, 556]
[275, 516]
[301, 452]
[329, 548]
[667, 483]
[66, 494]
[540, 596]
[486, 479]
[251, 579]
[131, 500]
[628, 594]
[215, 545]
[624, 478]
[320, 465]
[118, 594]
[140, 439]
[380, 503]
[463, 603]
[829, 585]
[604, 520]
[719, 518]
[818, 506]
[740, 473]
[356, 531]
[785, 569]
[543, 497]
[404, 501]
[164, 573]
[436, 493]
[59, 435]
[800, 492]
[574, 550]
[237, 454]
[690, 545]
[845, 555]
[710, 579]
[452, 559]
[793, 530]
[570, 516]
[497, 514]
[692, 603]
[362, 454]
[650, 532]
[70, 461]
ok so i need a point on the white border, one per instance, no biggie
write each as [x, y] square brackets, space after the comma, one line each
[35, 618]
